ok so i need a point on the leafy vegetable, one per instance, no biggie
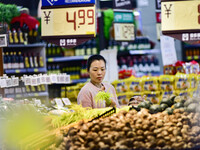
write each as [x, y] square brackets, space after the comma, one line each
[101, 96]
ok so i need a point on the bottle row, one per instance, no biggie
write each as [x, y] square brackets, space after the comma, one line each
[53, 50]
[76, 71]
[133, 65]
[138, 44]
[25, 89]
[19, 60]
[192, 54]
[23, 35]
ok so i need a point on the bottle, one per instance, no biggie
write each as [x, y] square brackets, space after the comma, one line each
[20, 36]
[16, 57]
[11, 41]
[9, 66]
[30, 60]
[35, 60]
[5, 61]
[53, 50]
[21, 60]
[16, 40]
[26, 61]
[12, 60]
[58, 51]
[40, 60]
[94, 47]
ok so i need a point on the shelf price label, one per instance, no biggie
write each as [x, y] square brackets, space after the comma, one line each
[181, 19]
[124, 32]
[68, 21]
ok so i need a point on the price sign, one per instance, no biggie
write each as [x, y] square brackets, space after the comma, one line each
[68, 21]
[124, 32]
[181, 19]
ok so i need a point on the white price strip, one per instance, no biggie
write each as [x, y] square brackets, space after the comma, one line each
[77, 21]
[124, 31]
[59, 102]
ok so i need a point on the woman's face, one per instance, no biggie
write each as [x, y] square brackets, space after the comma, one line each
[97, 71]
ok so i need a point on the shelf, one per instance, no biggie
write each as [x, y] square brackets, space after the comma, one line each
[37, 94]
[28, 45]
[36, 70]
[192, 46]
[14, 71]
[79, 81]
[139, 52]
[140, 74]
[28, 70]
[67, 58]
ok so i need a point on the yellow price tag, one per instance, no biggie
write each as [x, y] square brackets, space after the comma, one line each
[50, 60]
[35, 70]
[180, 15]
[17, 71]
[68, 21]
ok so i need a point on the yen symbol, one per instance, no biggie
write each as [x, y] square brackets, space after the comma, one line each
[47, 17]
[168, 10]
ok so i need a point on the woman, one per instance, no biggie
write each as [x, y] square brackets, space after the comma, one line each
[96, 67]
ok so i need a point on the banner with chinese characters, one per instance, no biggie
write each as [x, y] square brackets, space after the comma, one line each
[68, 25]
[181, 20]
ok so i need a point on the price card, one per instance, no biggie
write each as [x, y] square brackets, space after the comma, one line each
[3, 40]
[42, 79]
[59, 102]
[66, 101]
[33, 81]
[53, 78]
[48, 79]
[27, 80]
[8, 82]
[15, 81]
[38, 80]
[67, 78]
[124, 32]
[3, 83]
[77, 21]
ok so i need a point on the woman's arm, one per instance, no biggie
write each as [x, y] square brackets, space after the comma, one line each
[85, 98]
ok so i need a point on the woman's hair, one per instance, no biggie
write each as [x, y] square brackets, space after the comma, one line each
[93, 58]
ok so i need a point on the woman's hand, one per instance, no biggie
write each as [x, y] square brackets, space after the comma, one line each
[112, 104]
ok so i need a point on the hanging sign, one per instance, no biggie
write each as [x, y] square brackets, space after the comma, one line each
[122, 4]
[124, 29]
[124, 32]
[68, 26]
[181, 20]
[66, 2]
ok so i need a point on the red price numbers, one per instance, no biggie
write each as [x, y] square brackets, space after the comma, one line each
[81, 15]
[128, 31]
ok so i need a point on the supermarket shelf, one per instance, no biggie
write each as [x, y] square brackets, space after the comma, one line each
[192, 46]
[140, 74]
[14, 71]
[79, 81]
[28, 70]
[66, 58]
[28, 45]
[38, 94]
[32, 70]
[139, 52]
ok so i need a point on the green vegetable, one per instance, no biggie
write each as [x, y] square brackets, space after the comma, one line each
[144, 104]
[163, 106]
[101, 96]
[169, 110]
[166, 101]
[155, 108]
[178, 105]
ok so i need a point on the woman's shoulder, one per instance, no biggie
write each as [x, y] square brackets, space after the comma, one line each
[86, 87]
